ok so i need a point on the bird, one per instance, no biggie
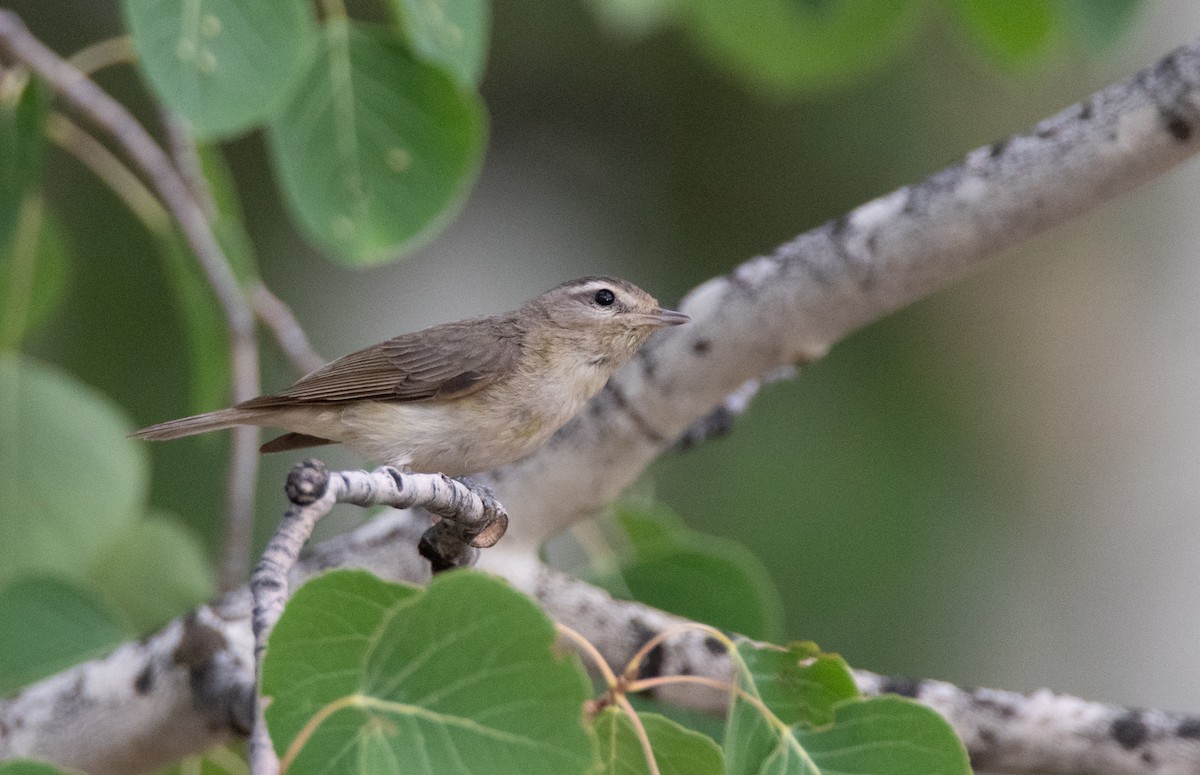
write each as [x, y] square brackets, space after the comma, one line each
[458, 398]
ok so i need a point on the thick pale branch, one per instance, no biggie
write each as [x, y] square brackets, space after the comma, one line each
[191, 685]
[794, 304]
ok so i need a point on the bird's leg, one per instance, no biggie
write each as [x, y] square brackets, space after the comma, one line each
[449, 543]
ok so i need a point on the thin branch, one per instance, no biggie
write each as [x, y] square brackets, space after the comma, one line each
[238, 536]
[181, 145]
[136, 143]
[313, 493]
[104, 53]
[111, 171]
[282, 322]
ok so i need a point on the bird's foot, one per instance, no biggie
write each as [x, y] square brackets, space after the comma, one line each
[451, 543]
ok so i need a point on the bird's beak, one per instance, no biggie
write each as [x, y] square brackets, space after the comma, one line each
[661, 318]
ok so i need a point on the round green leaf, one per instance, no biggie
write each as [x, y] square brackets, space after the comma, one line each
[886, 736]
[449, 33]
[377, 149]
[368, 676]
[677, 750]
[69, 477]
[699, 577]
[798, 683]
[225, 65]
[786, 46]
[50, 624]
[1014, 31]
[172, 572]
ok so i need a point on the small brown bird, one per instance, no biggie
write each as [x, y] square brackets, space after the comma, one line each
[458, 398]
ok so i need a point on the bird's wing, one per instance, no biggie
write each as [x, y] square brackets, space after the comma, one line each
[440, 363]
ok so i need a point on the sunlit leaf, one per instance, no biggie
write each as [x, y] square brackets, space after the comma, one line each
[225, 65]
[377, 149]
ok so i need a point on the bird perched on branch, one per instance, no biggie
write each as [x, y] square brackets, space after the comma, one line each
[458, 398]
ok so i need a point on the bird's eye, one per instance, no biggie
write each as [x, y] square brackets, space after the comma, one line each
[604, 297]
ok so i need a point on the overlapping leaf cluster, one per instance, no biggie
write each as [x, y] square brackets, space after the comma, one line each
[465, 676]
[375, 130]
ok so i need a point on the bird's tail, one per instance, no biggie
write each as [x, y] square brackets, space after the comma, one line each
[200, 423]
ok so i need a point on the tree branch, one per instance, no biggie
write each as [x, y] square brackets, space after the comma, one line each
[191, 685]
[791, 306]
[172, 693]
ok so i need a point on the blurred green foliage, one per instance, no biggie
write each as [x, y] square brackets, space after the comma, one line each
[867, 453]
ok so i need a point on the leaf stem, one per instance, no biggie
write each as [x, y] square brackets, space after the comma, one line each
[117, 50]
[639, 729]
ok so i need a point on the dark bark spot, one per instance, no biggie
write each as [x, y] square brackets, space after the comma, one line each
[701, 346]
[1129, 730]
[1189, 728]
[1176, 125]
[198, 644]
[397, 477]
[997, 148]
[905, 687]
[145, 680]
[1086, 111]
[714, 646]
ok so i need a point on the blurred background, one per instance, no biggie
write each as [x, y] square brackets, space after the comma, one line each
[999, 486]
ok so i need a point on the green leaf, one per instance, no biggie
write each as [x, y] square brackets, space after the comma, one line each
[218, 760]
[698, 577]
[33, 273]
[30, 767]
[799, 684]
[450, 33]
[886, 736]
[377, 149]
[1013, 32]
[785, 46]
[369, 676]
[677, 750]
[50, 624]
[225, 65]
[171, 574]
[1099, 23]
[204, 329]
[23, 108]
[229, 223]
[69, 477]
[205, 333]
[877, 736]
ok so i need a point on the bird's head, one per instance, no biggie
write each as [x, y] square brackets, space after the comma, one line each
[611, 313]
